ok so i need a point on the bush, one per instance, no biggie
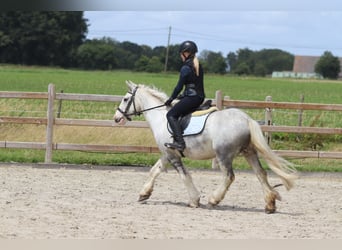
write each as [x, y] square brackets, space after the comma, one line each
[328, 66]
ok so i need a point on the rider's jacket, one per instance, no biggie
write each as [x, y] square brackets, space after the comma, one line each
[193, 84]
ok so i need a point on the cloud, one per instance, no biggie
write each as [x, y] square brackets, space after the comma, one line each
[212, 5]
[303, 32]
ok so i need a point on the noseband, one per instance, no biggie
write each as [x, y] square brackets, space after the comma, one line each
[135, 112]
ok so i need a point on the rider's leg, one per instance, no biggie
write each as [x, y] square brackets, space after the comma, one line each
[178, 142]
[185, 106]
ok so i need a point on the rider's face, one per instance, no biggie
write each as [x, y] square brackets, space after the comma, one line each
[184, 55]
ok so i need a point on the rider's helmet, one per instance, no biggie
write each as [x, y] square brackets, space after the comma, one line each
[188, 46]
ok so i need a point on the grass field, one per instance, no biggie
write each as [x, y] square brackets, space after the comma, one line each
[36, 79]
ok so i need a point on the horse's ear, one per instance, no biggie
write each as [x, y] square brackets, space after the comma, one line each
[131, 85]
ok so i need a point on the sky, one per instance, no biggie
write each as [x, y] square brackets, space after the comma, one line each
[224, 28]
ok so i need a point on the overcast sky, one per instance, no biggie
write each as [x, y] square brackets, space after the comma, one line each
[302, 30]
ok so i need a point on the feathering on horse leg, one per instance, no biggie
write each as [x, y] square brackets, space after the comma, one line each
[270, 195]
[147, 189]
[228, 178]
[194, 195]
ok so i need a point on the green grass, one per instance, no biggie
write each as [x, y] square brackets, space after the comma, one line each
[36, 79]
[139, 159]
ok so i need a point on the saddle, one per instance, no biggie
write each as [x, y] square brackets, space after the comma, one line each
[194, 123]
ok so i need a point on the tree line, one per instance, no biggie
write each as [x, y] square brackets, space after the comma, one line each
[59, 39]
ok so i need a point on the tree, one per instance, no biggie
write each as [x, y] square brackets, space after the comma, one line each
[242, 69]
[245, 62]
[272, 60]
[328, 66]
[174, 62]
[141, 63]
[259, 63]
[42, 38]
[154, 65]
[231, 59]
[98, 54]
[213, 62]
[260, 69]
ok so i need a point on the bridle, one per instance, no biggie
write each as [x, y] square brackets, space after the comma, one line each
[135, 112]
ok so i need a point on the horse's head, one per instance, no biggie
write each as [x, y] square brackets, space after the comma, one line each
[127, 107]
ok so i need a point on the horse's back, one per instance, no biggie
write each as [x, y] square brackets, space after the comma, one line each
[229, 125]
[229, 117]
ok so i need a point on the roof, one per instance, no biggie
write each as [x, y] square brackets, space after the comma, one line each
[307, 64]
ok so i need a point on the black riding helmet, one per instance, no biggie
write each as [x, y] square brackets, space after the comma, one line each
[188, 46]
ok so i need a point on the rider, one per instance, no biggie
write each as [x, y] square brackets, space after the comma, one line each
[191, 77]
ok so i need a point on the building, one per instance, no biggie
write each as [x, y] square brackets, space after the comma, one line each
[303, 67]
[306, 64]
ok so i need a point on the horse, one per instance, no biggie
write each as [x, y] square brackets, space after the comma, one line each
[227, 134]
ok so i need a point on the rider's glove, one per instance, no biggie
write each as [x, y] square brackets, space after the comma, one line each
[168, 102]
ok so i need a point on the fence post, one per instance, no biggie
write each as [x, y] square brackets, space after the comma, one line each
[300, 112]
[218, 99]
[50, 122]
[300, 117]
[219, 105]
[226, 98]
[60, 106]
[268, 120]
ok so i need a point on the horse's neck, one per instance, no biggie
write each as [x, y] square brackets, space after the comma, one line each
[155, 117]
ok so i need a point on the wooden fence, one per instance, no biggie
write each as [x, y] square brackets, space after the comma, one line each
[50, 121]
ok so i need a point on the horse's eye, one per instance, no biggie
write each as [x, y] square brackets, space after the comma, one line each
[125, 99]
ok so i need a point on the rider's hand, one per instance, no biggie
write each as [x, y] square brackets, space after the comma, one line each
[168, 102]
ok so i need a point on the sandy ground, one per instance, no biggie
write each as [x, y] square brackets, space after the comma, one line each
[80, 202]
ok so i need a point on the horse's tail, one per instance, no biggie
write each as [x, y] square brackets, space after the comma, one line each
[284, 169]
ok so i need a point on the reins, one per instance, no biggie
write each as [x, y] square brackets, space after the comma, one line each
[159, 106]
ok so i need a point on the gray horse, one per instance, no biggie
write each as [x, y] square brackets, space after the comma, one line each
[227, 133]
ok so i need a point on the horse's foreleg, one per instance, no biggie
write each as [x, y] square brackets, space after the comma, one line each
[228, 178]
[270, 195]
[194, 195]
[155, 171]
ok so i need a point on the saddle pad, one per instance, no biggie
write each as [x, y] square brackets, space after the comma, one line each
[195, 126]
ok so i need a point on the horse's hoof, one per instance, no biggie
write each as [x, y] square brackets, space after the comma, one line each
[270, 210]
[144, 197]
[213, 202]
[194, 204]
[211, 205]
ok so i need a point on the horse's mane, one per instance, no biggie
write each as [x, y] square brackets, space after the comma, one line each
[155, 92]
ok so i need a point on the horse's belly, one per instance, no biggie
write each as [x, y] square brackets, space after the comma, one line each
[200, 152]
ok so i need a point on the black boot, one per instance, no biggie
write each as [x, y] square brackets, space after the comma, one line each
[178, 142]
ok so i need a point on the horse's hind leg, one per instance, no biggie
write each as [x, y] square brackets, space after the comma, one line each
[270, 195]
[228, 178]
[194, 195]
[155, 171]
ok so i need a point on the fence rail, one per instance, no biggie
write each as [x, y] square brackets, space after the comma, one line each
[50, 121]
[281, 105]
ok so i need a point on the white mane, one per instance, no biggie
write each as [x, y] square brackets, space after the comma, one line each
[154, 92]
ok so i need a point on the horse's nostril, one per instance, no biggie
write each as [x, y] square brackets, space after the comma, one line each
[119, 120]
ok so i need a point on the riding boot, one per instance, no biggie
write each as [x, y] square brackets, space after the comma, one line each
[178, 141]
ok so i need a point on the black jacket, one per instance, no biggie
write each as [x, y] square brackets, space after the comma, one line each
[189, 79]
